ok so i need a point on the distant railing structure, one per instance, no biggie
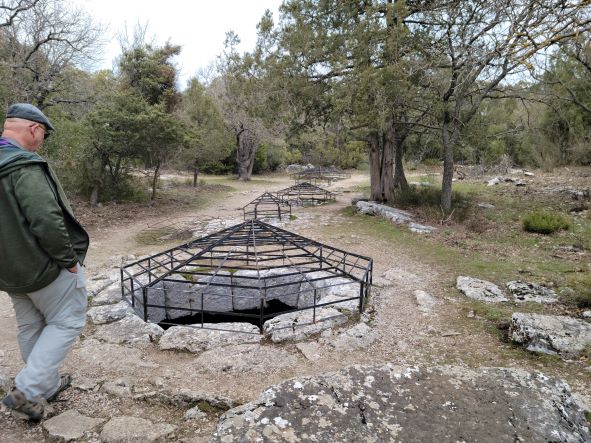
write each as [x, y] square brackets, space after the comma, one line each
[305, 193]
[267, 206]
[318, 175]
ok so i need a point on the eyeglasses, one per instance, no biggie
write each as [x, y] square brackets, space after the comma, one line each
[46, 133]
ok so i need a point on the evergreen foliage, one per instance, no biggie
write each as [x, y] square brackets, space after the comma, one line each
[544, 222]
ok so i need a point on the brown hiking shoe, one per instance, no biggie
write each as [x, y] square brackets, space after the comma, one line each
[17, 401]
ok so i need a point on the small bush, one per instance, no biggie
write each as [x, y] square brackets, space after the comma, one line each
[420, 197]
[544, 222]
[580, 295]
[431, 162]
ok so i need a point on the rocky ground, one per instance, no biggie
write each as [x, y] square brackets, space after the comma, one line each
[402, 388]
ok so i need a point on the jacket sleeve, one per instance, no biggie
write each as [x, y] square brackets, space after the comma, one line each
[39, 204]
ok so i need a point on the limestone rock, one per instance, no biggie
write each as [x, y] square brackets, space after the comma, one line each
[358, 337]
[110, 296]
[120, 387]
[5, 381]
[186, 397]
[107, 356]
[310, 350]
[524, 292]
[425, 301]
[96, 285]
[105, 314]
[195, 414]
[70, 425]
[84, 383]
[134, 429]
[299, 325]
[130, 330]
[250, 358]
[384, 403]
[586, 314]
[396, 216]
[550, 334]
[330, 290]
[480, 289]
[212, 336]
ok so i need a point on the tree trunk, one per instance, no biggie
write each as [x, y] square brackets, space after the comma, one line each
[396, 138]
[195, 173]
[449, 135]
[94, 195]
[155, 179]
[380, 166]
[245, 153]
[375, 169]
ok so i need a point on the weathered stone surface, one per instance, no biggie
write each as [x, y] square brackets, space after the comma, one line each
[84, 383]
[283, 284]
[109, 296]
[480, 289]
[179, 294]
[550, 334]
[398, 277]
[105, 314]
[215, 298]
[332, 290]
[108, 356]
[586, 314]
[120, 387]
[493, 181]
[524, 292]
[425, 301]
[96, 285]
[70, 425]
[134, 429]
[397, 216]
[212, 336]
[5, 381]
[299, 325]
[130, 330]
[246, 290]
[245, 359]
[185, 397]
[358, 337]
[195, 414]
[310, 350]
[385, 403]
[155, 295]
[420, 229]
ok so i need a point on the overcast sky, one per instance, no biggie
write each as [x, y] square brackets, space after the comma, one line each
[199, 26]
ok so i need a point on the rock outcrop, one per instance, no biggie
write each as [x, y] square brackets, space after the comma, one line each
[480, 289]
[386, 403]
[550, 334]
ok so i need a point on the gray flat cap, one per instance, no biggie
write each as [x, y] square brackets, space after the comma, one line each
[29, 112]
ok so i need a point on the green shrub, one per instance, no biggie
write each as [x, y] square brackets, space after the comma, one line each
[415, 196]
[544, 222]
[580, 295]
[424, 197]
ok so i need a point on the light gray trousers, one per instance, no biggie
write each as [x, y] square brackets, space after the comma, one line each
[48, 321]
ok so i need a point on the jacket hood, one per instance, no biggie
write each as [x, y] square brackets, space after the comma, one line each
[12, 157]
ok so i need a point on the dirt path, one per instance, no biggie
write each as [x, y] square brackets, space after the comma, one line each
[406, 335]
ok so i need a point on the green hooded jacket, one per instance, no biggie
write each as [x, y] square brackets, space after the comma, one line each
[39, 234]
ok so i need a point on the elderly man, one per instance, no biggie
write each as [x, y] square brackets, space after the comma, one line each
[42, 247]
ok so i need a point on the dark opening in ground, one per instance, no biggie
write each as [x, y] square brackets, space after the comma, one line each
[272, 309]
